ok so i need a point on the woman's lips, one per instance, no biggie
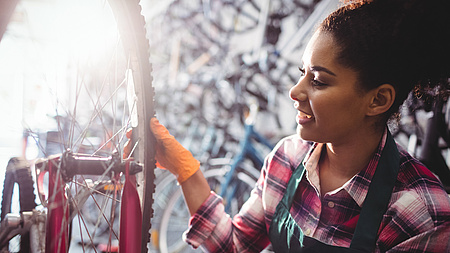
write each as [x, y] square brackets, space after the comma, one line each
[303, 117]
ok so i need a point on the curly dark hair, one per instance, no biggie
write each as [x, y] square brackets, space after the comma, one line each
[401, 42]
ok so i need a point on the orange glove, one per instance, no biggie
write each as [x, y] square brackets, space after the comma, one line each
[171, 155]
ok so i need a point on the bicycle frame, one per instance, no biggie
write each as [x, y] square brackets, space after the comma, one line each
[58, 213]
[247, 151]
[430, 153]
[61, 169]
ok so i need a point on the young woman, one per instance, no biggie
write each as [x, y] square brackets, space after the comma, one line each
[341, 183]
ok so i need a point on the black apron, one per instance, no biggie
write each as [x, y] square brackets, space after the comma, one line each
[286, 236]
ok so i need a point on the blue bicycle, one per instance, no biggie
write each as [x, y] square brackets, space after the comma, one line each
[233, 178]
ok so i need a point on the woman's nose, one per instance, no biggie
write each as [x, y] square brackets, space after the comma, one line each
[297, 93]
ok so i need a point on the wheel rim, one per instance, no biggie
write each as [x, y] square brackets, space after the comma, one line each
[84, 100]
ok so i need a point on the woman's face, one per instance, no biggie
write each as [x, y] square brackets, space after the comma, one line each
[331, 107]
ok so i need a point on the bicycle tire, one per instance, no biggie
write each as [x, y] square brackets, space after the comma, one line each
[132, 26]
[88, 114]
[18, 172]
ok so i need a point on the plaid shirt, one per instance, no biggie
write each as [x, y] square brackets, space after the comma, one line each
[417, 219]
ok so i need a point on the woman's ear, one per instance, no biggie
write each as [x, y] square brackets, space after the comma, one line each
[382, 99]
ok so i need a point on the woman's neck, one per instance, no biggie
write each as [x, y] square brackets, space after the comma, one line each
[339, 163]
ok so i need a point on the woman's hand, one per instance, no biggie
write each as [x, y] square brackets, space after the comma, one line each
[170, 154]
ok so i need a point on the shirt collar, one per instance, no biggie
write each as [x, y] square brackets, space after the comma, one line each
[311, 164]
[357, 186]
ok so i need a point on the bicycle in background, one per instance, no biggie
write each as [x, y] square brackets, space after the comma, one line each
[232, 177]
[424, 131]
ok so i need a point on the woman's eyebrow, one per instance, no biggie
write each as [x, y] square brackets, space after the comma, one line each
[319, 68]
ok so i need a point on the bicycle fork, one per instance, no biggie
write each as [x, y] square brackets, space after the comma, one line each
[58, 213]
[61, 169]
[130, 216]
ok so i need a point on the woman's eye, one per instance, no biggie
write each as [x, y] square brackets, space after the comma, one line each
[314, 82]
[317, 83]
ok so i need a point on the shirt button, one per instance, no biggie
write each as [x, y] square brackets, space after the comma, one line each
[330, 204]
[308, 232]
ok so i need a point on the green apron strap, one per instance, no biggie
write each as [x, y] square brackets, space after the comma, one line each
[284, 230]
[292, 186]
[377, 199]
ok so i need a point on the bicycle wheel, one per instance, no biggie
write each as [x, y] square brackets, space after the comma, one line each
[91, 81]
[18, 173]
[91, 212]
[175, 218]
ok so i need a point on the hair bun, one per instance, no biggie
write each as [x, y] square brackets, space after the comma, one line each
[401, 42]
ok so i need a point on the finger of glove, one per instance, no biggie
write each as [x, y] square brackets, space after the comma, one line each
[159, 131]
[162, 161]
[175, 153]
[129, 133]
[171, 154]
[127, 149]
[183, 165]
[178, 160]
[160, 166]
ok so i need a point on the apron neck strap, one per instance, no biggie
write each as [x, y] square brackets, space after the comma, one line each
[291, 188]
[377, 199]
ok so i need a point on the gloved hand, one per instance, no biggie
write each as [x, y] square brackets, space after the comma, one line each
[170, 154]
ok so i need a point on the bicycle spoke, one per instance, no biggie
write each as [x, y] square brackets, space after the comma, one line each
[86, 77]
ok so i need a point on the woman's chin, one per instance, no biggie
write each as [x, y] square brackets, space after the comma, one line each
[303, 133]
[308, 135]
